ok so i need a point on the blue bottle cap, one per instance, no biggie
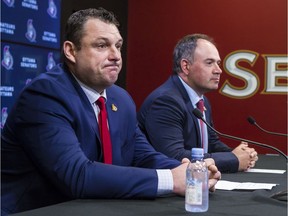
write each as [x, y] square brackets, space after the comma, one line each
[197, 152]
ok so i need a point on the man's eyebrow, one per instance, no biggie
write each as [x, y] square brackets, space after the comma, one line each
[210, 59]
[107, 39]
[101, 38]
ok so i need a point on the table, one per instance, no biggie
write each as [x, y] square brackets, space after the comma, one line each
[230, 203]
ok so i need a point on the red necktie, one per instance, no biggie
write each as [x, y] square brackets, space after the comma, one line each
[104, 132]
[200, 106]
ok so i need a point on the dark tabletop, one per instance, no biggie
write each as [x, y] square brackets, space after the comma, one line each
[232, 203]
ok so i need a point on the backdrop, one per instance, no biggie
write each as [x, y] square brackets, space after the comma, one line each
[251, 36]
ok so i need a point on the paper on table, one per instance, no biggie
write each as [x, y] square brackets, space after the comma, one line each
[228, 185]
[266, 171]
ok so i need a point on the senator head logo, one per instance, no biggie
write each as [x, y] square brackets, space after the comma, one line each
[31, 32]
[7, 61]
[52, 9]
[9, 3]
[50, 61]
[4, 115]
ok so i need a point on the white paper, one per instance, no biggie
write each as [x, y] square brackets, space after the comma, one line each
[274, 171]
[229, 185]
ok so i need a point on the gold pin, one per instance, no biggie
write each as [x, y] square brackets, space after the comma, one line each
[205, 108]
[114, 108]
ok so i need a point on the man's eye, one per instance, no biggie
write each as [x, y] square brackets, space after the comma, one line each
[119, 47]
[102, 46]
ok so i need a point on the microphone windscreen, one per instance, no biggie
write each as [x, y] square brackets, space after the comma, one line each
[251, 120]
[198, 113]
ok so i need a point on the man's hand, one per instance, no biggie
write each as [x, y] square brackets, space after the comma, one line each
[247, 156]
[214, 174]
[179, 176]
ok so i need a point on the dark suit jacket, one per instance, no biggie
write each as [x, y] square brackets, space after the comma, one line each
[167, 120]
[51, 150]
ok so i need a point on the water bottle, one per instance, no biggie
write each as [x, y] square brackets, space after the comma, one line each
[197, 189]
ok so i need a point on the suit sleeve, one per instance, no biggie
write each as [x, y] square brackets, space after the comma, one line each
[164, 127]
[48, 136]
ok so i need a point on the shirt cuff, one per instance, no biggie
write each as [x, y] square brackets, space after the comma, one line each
[165, 182]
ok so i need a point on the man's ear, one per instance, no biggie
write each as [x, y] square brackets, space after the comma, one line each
[185, 65]
[69, 51]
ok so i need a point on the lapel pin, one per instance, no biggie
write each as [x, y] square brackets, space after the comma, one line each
[205, 108]
[114, 108]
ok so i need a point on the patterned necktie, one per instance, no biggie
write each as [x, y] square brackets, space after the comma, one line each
[104, 132]
[200, 106]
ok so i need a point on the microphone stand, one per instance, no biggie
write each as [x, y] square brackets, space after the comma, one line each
[252, 121]
[199, 115]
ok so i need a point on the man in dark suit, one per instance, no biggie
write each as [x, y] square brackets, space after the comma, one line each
[166, 116]
[51, 148]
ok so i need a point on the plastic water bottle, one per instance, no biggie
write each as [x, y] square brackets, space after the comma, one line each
[197, 189]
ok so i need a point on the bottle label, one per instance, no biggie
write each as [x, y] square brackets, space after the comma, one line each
[194, 194]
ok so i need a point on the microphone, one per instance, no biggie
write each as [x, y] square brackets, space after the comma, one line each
[252, 121]
[199, 115]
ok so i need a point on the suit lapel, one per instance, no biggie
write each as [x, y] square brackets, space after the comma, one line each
[189, 106]
[86, 103]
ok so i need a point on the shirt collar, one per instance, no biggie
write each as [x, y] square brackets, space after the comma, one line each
[194, 97]
[91, 94]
